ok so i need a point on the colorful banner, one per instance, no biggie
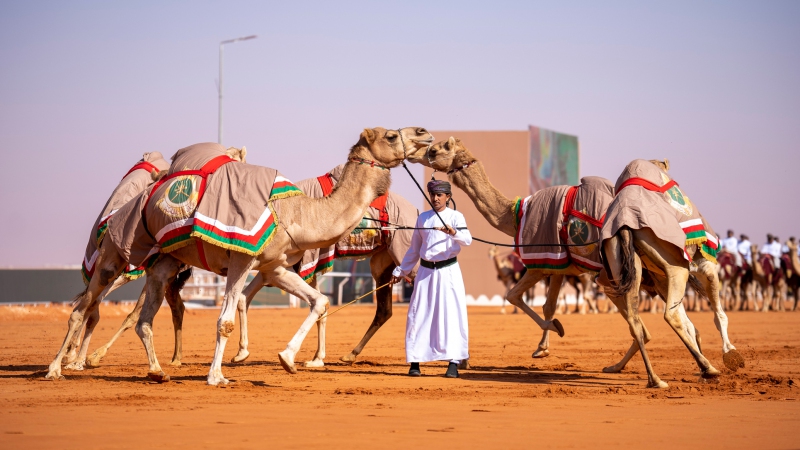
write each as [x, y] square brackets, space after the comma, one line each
[553, 159]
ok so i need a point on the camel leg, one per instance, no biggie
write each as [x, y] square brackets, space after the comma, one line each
[158, 276]
[175, 302]
[319, 355]
[629, 301]
[549, 310]
[94, 359]
[676, 269]
[292, 283]
[530, 278]
[707, 276]
[243, 306]
[239, 266]
[108, 268]
[381, 266]
[91, 322]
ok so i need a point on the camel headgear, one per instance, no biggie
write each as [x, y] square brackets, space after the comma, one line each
[439, 187]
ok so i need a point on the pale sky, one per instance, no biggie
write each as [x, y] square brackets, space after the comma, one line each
[87, 87]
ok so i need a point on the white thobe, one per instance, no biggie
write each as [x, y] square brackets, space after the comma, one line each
[744, 249]
[436, 327]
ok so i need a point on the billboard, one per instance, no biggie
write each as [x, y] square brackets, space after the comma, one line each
[553, 159]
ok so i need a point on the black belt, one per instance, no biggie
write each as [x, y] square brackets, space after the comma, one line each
[438, 264]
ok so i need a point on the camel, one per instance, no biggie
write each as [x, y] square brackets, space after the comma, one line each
[298, 224]
[660, 259]
[385, 249]
[467, 173]
[509, 272]
[769, 279]
[151, 168]
[584, 288]
[792, 271]
[730, 276]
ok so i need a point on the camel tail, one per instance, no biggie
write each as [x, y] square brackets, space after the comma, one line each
[628, 269]
[78, 298]
[697, 287]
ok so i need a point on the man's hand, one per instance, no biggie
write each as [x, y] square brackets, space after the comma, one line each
[396, 280]
[447, 230]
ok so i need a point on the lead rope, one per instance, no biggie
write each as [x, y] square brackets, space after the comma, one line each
[325, 316]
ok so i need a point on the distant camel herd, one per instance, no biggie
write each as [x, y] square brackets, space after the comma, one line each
[208, 208]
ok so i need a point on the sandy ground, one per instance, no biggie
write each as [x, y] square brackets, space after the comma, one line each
[507, 398]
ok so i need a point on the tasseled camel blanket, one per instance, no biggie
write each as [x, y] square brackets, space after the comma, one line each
[133, 183]
[648, 198]
[563, 215]
[205, 195]
[388, 208]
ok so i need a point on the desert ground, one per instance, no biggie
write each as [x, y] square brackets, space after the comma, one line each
[506, 398]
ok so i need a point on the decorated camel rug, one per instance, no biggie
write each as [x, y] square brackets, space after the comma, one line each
[563, 215]
[138, 178]
[205, 195]
[648, 198]
[366, 238]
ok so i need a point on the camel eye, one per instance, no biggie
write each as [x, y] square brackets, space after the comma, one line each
[392, 137]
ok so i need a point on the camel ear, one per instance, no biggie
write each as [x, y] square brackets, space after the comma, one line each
[666, 164]
[145, 155]
[368, 135]
[243, 153]
[451, 143]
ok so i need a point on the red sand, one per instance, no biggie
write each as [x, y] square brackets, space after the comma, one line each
[506, 399]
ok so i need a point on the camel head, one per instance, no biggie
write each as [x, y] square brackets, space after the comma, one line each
[661, 164]
[444, 156]
[390, 147]
[239, 154]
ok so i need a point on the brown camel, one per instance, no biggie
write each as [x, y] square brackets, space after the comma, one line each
[634, 239]
[730, 276]
[792, 271]
[292, 224]
[514, 217]
[100, 254]
[769, 280]
[385, 249]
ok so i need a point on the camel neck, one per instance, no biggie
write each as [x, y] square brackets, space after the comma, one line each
[495, 207]
[317, 223]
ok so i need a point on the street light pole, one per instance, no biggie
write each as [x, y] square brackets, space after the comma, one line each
[219, 88]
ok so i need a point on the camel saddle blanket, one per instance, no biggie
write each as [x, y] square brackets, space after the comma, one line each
[205, 195]
[138, 178]
[560, 215]
[648, 198]
[388, 208]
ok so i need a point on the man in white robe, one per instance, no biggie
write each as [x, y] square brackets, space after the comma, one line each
[436, 328]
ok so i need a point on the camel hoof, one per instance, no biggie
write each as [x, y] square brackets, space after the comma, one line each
[75, 365]
[315, 363]
[502, 311]
[349, 358]
[711, 372]
[54, 376]
[216, 380]
[94, 359]
[464, 364]
[241, 356]
[559, 328]
[541, 353]
[158, 377]
[658, 384]
[733, 360]
[612, 369]
[175, 363]
[287, 362]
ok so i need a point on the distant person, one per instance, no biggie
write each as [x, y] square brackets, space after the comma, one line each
[436, 328]
[772, 248]
[731, 245]
[744, 248]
